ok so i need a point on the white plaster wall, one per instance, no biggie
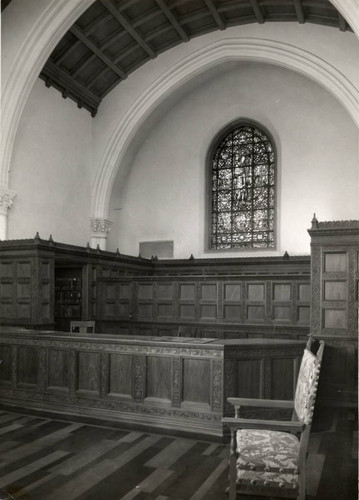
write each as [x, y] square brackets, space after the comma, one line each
[51, 169]
[163, 196]
[338, 49]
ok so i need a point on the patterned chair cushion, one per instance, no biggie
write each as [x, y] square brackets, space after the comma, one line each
[267, 457]
[306, 387]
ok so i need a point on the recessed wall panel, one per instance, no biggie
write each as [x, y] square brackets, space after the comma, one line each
[232, 292]
[165, 310]
[145, 311]
[187, 292]
[165, 290]
[145, 291]
[58, 368]
[121, 375]
[281, 291]
[255, 313]
[125, 292]
[335, 262]
[232, 312]
[28, 365]
[196, 380]
[249, 378]
[209, 292]
[335, 290]
[304, 292]
[334, 318]
[187, 311]
[5, 366]
[208, 311]
[255, 291]
[304, 315]
[282, 313]
[282, 374]
[89, 371]
[159, 378]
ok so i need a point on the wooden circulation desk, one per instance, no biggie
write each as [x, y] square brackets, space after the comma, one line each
[168, 383]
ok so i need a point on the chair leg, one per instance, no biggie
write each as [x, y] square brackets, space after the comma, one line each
[232, 477]
[301, 495]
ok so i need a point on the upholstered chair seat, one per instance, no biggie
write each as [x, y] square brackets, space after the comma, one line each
[267, 458]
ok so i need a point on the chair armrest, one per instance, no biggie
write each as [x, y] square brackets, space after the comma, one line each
[273, 425]
[272, 403]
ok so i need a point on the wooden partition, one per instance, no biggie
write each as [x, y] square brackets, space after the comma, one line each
[334, 306]
[246, 303]
[166, 383]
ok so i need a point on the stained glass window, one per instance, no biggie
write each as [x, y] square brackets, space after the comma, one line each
[243, 190]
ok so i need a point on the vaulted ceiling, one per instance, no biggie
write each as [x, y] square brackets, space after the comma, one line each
[113, 38]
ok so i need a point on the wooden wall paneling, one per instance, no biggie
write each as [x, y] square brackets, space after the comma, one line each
[24, 290]
[28, 366]
[282, 377]
[334, 307]
[281, 301]
[88, 373]
[14, 361]
[121, 376]
[233, 308]
[125, 299]
[250, 378]
[208, 293]
[158, 379]
[303, 303]
[110, 300]
[58, 370]
[5, 365]
[8, 289]
[196, 383]
[187, 301]
[255, 302]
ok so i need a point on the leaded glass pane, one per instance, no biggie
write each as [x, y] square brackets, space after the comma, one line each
[243, 191]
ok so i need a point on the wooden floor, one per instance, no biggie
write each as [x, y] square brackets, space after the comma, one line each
[53, 459]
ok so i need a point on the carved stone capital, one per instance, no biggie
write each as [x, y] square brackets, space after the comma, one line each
[100, 227]
[6, 200]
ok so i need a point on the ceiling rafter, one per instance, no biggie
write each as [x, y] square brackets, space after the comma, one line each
[215, 14]
[299, 11]
[342, 22]
[128, 27]
[173, 20]
[53, 74]
[87, 31]
[90, 45]
[257, 11]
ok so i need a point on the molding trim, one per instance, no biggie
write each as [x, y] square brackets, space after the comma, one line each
[253, 49]
[7, 198]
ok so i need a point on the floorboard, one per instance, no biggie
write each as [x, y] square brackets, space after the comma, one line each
[55, 459]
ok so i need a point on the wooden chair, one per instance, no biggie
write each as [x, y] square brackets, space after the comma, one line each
[268, 457]
[82, 326]
[187, 331]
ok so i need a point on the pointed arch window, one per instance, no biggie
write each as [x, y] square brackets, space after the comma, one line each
[242, 189]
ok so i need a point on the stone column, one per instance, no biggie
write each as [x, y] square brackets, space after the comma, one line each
[99, 231]
[6, 202]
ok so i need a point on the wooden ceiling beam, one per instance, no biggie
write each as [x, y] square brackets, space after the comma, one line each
[257, 11]
[173, 20]
[128, 27]
[342, 22]
[90, 45]
[299, 11]
[69, 85]
[215, 14]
